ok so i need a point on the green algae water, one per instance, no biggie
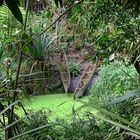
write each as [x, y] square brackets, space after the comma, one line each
[60, 105]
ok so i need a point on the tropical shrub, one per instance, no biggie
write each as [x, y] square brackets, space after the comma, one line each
[40, 46]
[74, 68]
[114, 80]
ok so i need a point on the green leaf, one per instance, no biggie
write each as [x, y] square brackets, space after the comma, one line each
[126, 96]
[13, 6]
[49, 14]
[125, 127]
[8, 107]
[26, 50]
[76, 9]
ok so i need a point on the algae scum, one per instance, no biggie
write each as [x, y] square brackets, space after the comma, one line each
[59, 105]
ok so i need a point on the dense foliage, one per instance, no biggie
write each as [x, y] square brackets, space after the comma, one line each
[95, 28]
[61, 128]
[115, 80]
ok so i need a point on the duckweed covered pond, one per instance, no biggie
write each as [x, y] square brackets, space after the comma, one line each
[59, 105]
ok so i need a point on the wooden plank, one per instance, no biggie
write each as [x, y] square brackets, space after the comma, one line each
[85, 79]
[63, 67]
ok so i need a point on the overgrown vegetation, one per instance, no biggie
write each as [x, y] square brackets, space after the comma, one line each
[34, 37]
[74, 68]
[114, 80]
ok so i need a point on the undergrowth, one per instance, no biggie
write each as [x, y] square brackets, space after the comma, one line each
[114, 80]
